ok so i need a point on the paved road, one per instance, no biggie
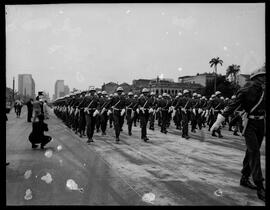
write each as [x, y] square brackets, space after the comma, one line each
[168, 170]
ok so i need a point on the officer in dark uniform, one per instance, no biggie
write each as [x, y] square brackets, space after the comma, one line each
[29, 105]
[136, 115]
[199, 111]
[252, 99]
[158, 113]
[193, 112]
[91, 104]
[76, 112]
[144, 104]
[82, 119]
[117, 104]
[184, 104]
[177, 117]
[163, 106]
[204, 103]
[103, 112]
[152, 112]
[99, 94]
[131, 109]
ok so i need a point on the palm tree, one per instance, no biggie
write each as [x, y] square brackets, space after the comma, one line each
[232, 71]
[214, 62]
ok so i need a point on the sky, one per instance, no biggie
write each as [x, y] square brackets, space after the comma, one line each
[91, 44]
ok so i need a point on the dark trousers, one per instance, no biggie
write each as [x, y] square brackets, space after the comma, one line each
[254, 134]
[117, 122]
[82, 121]
[143, 120]
[184, 124]
[164, 119]
[29, 115]
[103, 121]
[129, 120]
[151, 120]
[98, 123]
[135, 118]
[111, 119]
[90, 124]
[193, 120]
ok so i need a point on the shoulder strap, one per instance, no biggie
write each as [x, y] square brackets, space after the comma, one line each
[257, 103]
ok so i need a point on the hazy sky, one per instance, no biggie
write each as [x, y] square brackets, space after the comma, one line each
[88, 44]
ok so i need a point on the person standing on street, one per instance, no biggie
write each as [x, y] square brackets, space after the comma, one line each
[29, 105]
[163, 106]
[103, 114]
[46, 110]
[36, 108]
[252, 99]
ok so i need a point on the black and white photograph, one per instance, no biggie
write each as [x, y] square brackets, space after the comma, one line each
[135, 104]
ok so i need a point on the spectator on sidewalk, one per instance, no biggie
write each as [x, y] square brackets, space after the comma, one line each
[29, 105]
[36, 108]
[37, 135]
[18, 107]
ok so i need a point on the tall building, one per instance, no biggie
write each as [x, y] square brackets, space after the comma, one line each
[202, 79]
[66, 90]
[26, 85]
[59, 88]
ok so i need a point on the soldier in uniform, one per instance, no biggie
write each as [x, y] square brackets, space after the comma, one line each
[104, 112]
[91, 104]
[144, 104]
[117, 104]
[163, 106]
[158, 113]
[193, 112]
[152, 113]
[98, 123]
[82, 118]
[136, 115]
[131, 109]
[110, 114]
[203, 114]
[252, 99]
[184, 104]
[177, 115]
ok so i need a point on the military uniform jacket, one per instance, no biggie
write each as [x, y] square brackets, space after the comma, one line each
[103, 102]
[117, 102]
[164, 104]
[145, 102]
[88, 99]
[182, 102]
[216, 104]
[247, 97]
[131, 103]
[204, 104]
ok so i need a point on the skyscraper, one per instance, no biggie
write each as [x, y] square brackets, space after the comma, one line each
[26, 85]
[66, 90]
[59, 88]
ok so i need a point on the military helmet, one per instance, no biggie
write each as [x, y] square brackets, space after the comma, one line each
[135, 96]
[111, 95]
[99, 92]
[164, 94]
[217, 93]
[130, 94]
[159, 96]
[185, 91]
[233, 96]
[92, 89]
[194, 94]
[199, 95]
[119, 89]
[257, 72]
[203, 97]
[222, 98]
[226, 99]
[115, 94]
[179, 94]
[123, 94]
[213, 95]
[145, 90]
[104, 92]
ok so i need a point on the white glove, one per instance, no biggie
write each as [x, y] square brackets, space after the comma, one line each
[151, 110]
[137, 110]
[142, 110]
[194, 111]
[85, 109]
[132, 114]
[218, 122]
[103, 110]
[95, 113]
[200, 111]
[183, 109]
[109, 112]
[173, 114]
[123, 112]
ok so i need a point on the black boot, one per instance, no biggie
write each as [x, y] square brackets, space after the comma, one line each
[245, 182]
[261, 193]
[214, 134]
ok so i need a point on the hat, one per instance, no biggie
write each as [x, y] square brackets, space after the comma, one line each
[222, 98]
[119, 89]
[145, 90]
[179, 94]
[257, 72]
[226, 98]
[104, 92]
[213, 95]
[92, 89]
[99, 92]
[164, 94]
[130, 94]
[233, 97]
[135, 96]
[185, 91]
[152, 93]
[199, 95]
[194, 94]
[159, 96]
[217, 93]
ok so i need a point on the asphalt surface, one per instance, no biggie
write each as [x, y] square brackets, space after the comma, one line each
[167, 170]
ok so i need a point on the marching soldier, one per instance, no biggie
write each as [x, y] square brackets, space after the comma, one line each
[91, 104]
[204, 108]
[104, 112]
[184, 104]
[82, 118]
[99, 94]
[158, 113]
[163, 106]
[136, 115]
[193, 112]
[118, 104]
[252, 99]
[131, 109]
[177, 112]
[144, 104]
[110, 114]
[152, 113]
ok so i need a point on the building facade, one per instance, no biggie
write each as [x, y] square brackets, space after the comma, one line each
[110, 87]
[59, 89]
[26, 85]
[201, 79]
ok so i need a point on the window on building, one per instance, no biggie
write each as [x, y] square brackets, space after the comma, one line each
[157, 92]
[165, 90]
[161, 91]
[169, 91]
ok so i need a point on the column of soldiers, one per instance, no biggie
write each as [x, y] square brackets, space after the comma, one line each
[87, 111]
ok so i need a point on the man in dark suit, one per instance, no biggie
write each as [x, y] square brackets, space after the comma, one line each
[29, 105]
